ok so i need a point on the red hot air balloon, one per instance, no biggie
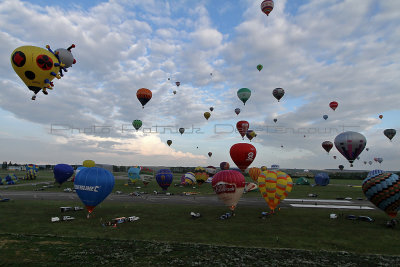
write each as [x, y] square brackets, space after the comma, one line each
[229, 187]
[327, 145]
[333, 105]
[242, 127]
[380, 116]
[144, 95]
[243, 155]
[267, 6]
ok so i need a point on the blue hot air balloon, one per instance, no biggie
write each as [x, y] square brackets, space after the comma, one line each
[322, 179]
[325, 117]
[62, 172]
[134, 174]
[164, 178]
[93, 185]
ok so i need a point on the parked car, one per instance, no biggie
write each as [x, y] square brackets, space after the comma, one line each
[365, 219]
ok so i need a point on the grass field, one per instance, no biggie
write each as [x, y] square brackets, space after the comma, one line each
[166, 234]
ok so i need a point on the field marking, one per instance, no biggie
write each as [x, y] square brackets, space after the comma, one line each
[316, 200]
[331, 207]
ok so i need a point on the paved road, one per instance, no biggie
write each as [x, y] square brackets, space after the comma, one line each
[192, 200]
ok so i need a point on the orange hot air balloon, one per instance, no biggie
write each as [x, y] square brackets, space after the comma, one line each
[144, 95]
[254, 172]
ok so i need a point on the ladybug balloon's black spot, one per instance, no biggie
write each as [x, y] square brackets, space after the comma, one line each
[44, 62]
[30, 75]
[19, 59]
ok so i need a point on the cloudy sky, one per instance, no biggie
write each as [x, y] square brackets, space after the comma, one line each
[318, 51]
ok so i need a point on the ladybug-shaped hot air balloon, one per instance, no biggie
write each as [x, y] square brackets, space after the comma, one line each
[267, 6]
[144, 95]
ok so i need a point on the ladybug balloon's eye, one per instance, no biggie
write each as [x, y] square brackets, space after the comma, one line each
[19, 59]
[44, 62]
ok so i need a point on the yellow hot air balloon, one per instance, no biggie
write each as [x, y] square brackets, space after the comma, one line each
[284, 185]
[254, 172]
[274, 187]
[88, 163]
[207, 115]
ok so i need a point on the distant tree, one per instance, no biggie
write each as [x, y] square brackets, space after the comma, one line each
[4, 165]
[10, 164]
[115, 168]
[122, 169]
[48, 167]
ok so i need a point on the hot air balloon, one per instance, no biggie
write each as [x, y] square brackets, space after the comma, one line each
[229, 187]
[389, 133]
[334, 157]
[275, 120]
[333, 105]
[382, 189]
[181, 130]
[146, 175]
[178, 83]
[133, 174]
[341, 167]
[259, 67]
[210, 154]
[254, 172]
[224, 165]
[164, 178]
[188, 178]
[65, 56]
[137, 124]
[243, 155]
[207, 115]
[250, 134]
[278, 93]
[321, 179]
[365, 162]
[244, 94]
[37, 67]
[201, 175]
[263, 168]
[237, 111]
[370, 162]
[350, 145]
[211, 170]
[169, 142]
[77, 171]
[380, 116]
[62, 172]
[88, 163]
[242, 127]
[211, 109]
[379, 160]
[367, 149]
[174, 92]
[93, 185]
[325, 117]
[274, 187]
[144, 95]
[327, 145]
[267, 6]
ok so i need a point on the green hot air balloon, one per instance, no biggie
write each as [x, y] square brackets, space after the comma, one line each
[137, 124]
[259, 67]
[244, 94]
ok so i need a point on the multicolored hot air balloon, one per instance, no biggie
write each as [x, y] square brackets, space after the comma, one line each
[267, 6]
[242, 127]
[237, 111]
[259, 67]
[243, 155]
[278, 93]
[146, 175]
[244, 94]
[383, 190]
[62, 172]
[254, 172]
[250, 134]
[350, 145]
[207, 115]
[229, 187]
[144, 95]
[188, 179]
[133, 174]
[137, 124]
[201, 175]
[327, 145]
[93, 185]
[389, 133]
[224, 165]
[169, 142]
[333, 105]
[274, 187]
[164, 178]
[263, 168]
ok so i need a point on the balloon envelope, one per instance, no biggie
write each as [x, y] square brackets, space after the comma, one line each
[188, 178]
[278, 93]
[62, 172]
[143, 95]
[267, 6]
[137, 124]
[333, 105]
[327, 145]
[244, 94]
[350, 145]
[242, 127]
[237, 111]
[207, 115]
[229, 187]
[133, 174]
[169, 142]
[322, 179]
[93, 185]
[200, 174]
[181, 130]
[243, 155]
[224, 165]
[164, 178]
[389, 133]
[88, 163]
[254, 172]
[325, 117]
[259, 67]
